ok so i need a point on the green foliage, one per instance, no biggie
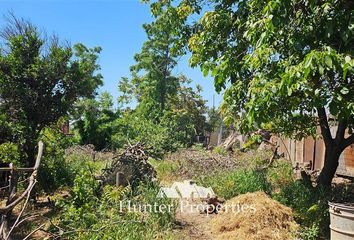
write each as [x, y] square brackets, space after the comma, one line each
[152, 82]
[231, 184]
[9, 153]
[59, 167]
[310, 206]
[252, 142]
[147, 193]
[176, 129]
[310, 233]
[282, 65]
[94, 121]
[45, 78]
[169, 112]
[287, 65]
[85, 189]
[135, 128]
[163, 166]
[54, 171]
[214, 119]
[106, 216]
[81, 206]
[165, 170]
[280, 174]
[220, 150]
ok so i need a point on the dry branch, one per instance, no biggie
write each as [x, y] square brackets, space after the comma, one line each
[12, 202]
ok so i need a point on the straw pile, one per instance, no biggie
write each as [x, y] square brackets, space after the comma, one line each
[265, 219]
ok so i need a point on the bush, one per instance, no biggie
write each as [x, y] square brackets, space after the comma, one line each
[280, 174]
[220, 150]
[233, 183]
[175, 130]
[310, 233]
[81, 206]
[310, 206]
[105, 215]
[166, 170]
[54, 172]
[9, 153]
[253, 142]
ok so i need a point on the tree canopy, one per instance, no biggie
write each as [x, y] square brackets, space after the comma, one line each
[286, 66]
[40, 79]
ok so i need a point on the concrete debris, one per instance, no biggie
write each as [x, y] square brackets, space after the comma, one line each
[186, 190]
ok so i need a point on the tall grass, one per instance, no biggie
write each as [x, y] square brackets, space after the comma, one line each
[233, 183]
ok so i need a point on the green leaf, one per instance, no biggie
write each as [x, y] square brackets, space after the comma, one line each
[308, 62]
[347, 59]
[328, 61]
[205, 71]
[321, 69]
[290, 91]
[344, 90]
[333, 108]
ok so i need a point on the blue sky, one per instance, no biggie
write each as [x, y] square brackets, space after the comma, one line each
[115, 25]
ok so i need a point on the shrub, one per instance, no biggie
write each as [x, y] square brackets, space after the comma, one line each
[138, 129]
[310, 233]
[80, 207]
[253, 142]
[166, 170]
[233, 183]
[9, 153]
[310, 206]
[175, 130]
[54, 172]
[220, 150]
[280, 174]
[95, 215]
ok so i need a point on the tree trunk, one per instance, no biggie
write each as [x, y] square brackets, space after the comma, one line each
[330, 166]
[30, 150]
[334, 147]
[30, 144]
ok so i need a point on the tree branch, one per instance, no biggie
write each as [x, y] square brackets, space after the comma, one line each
[348, 141]
[325, 130]
[19, 216]
[342, 125]
[35, 230]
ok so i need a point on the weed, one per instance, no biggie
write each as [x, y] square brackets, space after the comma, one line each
[233, 183]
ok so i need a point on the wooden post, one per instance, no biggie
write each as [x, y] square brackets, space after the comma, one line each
[13, 178]
[119, 179]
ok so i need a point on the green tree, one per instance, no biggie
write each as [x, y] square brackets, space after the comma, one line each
[152, 81]
[287, 65]
[95, 121]
[183, 118]
[40, 79]
[169, 111]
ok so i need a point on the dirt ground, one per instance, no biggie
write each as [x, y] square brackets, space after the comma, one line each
[193, 225]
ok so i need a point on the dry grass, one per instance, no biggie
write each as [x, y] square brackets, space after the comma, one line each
[271, 220]
[194, 163]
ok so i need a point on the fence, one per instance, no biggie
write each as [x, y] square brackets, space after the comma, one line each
[310, 151]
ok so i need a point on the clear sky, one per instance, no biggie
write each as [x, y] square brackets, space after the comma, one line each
[115, 25]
